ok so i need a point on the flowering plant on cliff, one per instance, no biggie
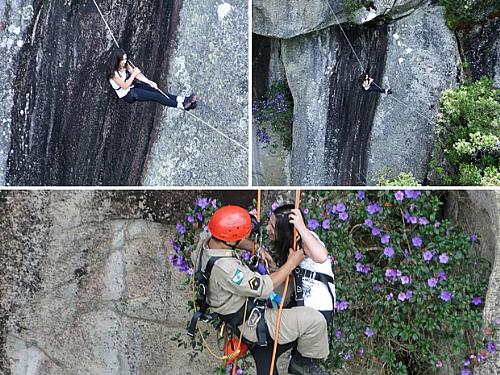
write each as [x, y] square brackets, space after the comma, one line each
[410, 287]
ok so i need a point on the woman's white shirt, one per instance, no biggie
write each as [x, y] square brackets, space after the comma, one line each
[316, 294]
[120, 91]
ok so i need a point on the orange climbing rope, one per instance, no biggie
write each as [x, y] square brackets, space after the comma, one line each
[280, 310]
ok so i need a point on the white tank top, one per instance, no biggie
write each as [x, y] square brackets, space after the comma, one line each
[316, 294]
[120, 91]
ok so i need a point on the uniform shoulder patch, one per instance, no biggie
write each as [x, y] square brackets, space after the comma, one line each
[254, 283]
[238, 277]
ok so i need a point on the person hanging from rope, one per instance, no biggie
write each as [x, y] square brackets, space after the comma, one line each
[232, 285]
[314, 285]
[369, 85]
[123, 78]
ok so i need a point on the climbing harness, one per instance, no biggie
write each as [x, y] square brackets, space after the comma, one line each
[161, 92]
[280, 310]
[407, 105]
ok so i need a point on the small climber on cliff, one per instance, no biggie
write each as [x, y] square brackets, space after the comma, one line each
[121, 75]
[369, 85]
[369, 5]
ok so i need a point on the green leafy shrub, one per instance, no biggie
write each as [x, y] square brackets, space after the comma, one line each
[410, 287]
[402, 179]
[351, 6]
[468, 134]
[274, 113]
[460, 13]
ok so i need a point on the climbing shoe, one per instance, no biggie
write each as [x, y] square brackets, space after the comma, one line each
[388, 91]
[190, 102]
[304, 366]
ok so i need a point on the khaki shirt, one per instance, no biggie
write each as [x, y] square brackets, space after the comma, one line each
[231, 281]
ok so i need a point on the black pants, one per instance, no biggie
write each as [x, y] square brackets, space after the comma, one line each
[376, 88]
[264, 354]
[145, 93]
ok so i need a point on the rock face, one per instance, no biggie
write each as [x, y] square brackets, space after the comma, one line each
[15, 18]
[86, 285]
[211, 58]
[422, 62]
[289, 18]
[342, 135]
[69, 127]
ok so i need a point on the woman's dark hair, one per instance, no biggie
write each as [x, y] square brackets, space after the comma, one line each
[114, 61]
[284, 233]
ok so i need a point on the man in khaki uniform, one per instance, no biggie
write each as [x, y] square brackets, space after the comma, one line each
[231, 282]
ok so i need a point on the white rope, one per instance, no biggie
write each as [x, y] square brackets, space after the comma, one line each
[196, 117]
[345, 35]
[109, 29]
[363, 69]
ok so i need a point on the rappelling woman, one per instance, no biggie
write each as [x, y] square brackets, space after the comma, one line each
[124, 78]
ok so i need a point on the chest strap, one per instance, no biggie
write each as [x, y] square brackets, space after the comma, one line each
[299, 273]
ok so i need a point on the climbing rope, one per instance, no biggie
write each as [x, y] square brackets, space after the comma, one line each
[364, 70]
[280, 310]
[194, 116]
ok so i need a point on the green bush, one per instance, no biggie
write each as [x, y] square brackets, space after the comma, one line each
[468, 133]
[410, 287]
[402, 179]
[461, 13]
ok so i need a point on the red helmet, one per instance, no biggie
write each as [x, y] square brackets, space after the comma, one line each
[230, 223]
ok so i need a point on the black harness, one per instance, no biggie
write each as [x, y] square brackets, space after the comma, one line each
[255, 312]
[299, 273]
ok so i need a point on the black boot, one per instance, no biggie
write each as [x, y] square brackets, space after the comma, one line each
[304, 366]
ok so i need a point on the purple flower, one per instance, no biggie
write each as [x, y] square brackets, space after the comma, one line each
[413, 219]
[361, 351]
[432, 282]
[245, 255]
[262, 269]
[375, 231]
[412, 194]
[199, 216]
[406, 253]
[202, 203]
[446, 295]
[338, 333]
[409, 294]
[343, 216]
[476, 301]
[439, 364]
[306, 210]
[176, 246]
[491, 346]
[399, 195]
[405, 280]
[437, 224]
[443, 258]
[416, 241]
[190, 219]
[389, 252]
[402, 296]
[362, 268]
[357, 255]
[385, 239]
[312, 224]
[368, 332]
[390, 296]
[340, 207]
[373, 208]
[360, 195]
[326, 224]
[347, 356]
[181, 229]
[369, 223]
[274, 206]
[423, 221]
[391, 273]
[407, 218]
[442, 276]
[428, 255]
[342, 305]
[466, 362]
[465, 371]
[473, 237]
